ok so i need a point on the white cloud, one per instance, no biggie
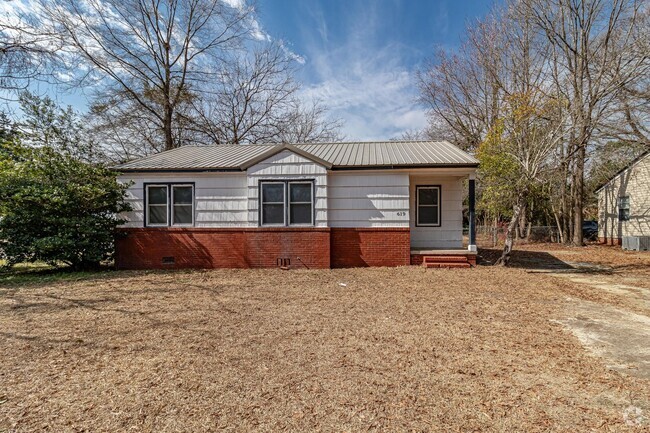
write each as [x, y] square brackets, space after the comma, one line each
[365, 80]
[370, 90]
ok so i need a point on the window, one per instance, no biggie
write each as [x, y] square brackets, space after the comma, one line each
[182, 205]
[428, 206]
[300, 203]
[157, 205]
[624, 208]
[285, 203]
[273, 203]
[169, 205]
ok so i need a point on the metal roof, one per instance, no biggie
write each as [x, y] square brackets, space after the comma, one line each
[348, 155]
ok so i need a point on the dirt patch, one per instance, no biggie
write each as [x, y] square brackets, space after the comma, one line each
[610, 309]
[391, 350]
[619, 336]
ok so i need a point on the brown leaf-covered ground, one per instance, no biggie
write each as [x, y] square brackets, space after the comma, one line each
[381, 349]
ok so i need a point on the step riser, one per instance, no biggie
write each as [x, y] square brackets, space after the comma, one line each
[447, 265]
[445, 259]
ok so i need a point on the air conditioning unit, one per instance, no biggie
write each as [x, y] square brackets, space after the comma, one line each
[636, 243]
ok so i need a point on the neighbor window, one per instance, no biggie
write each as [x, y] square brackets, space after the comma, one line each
[170, 205]
[285, 203]
[624, 208]
[428, 206]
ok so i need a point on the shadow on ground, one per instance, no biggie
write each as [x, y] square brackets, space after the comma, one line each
[533, 260]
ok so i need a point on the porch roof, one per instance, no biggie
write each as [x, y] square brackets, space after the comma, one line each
[335, 156]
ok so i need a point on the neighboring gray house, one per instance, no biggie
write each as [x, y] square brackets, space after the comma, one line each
[624, 203]
[304, 205]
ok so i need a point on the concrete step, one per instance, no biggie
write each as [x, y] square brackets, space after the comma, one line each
[445, 259]
[447, 265]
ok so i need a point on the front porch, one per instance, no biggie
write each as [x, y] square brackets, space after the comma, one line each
[439, 241]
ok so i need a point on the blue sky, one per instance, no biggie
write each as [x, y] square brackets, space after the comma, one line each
[361, 55]
[358, 57]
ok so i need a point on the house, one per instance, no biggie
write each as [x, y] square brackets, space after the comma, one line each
[300, 206]
[624, 203]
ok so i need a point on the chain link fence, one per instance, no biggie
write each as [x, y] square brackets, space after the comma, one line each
[491, 236]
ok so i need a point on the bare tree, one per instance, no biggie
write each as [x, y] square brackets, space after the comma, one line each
[586, 37]
[146, 54]
[461, 90]
[248, 100]
[309, 123]
[255, 100]
[26, 53]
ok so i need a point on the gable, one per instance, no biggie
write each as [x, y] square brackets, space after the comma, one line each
[283, 149]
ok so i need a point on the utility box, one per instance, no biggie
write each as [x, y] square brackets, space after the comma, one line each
[636, 243]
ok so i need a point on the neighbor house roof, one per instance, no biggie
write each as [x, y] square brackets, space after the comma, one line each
[344, 156]
[627, 167]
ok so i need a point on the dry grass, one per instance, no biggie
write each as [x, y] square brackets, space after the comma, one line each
[393, 350]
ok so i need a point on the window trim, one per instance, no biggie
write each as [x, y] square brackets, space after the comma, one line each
[417, 205]
[311, 203]
[621, 209]
[168, 186]
[286, 204]
[172, 204]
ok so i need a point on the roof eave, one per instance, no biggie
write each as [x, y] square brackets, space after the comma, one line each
[403, 166]
[179, 170]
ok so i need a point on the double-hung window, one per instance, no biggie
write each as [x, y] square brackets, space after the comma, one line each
[273, 203]
[301, 203]
[624, 208]
[182, 205]
[157, 214]
[287, 203]
[169, 205]
[428, 206]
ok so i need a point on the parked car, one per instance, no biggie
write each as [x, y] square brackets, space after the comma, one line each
[590, 230]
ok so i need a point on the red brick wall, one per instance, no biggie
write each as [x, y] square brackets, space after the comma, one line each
[144, 248]
[360, 247]
[611, 241]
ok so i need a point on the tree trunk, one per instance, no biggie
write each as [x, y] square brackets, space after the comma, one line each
[169, 138]
[523, 223]
[578, 202]
[560, 226]
[519, 205]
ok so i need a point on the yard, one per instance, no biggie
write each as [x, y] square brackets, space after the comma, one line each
[487, 349]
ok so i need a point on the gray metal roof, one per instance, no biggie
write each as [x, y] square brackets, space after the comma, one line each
[348, 155]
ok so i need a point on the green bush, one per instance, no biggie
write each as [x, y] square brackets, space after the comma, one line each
[55, 208]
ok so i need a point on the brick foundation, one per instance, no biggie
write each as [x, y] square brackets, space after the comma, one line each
[361, 247]
[611, 241]
[146, 248]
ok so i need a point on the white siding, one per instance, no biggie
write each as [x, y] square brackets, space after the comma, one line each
[368, 199]
[450, 233]
[221, 199]
[634, 183]
[287, 165]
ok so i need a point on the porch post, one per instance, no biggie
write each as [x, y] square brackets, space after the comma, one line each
[472, 213]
